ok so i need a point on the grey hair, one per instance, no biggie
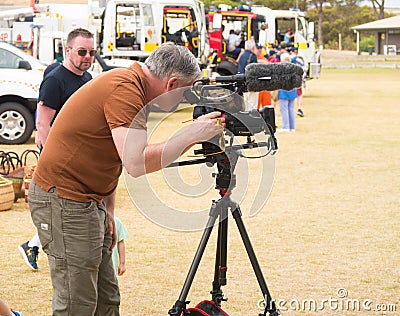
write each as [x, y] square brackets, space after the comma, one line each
[171, 60]
[250, 44]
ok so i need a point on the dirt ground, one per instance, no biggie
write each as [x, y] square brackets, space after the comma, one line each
[328, 234]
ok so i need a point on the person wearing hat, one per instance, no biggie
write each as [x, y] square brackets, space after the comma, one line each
[272, 56]
[260, 54]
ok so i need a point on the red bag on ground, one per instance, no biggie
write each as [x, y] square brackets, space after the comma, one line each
[207, 308]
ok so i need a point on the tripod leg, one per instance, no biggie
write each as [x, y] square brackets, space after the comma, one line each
[220, 259]
[269, 304]
[180, 304]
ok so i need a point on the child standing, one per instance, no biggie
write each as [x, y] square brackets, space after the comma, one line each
[118, 255]
[7, 311]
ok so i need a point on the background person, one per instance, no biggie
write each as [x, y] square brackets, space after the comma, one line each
[264, 97]
[5, 310]
[283, 53]
[288, 38]
[77, 176]
[298, 60]
[261, 59]
[248, 57]
[118, 255]
[63, 81]
[272, 57]
[234, 41]
[286, 101]
[60, 81]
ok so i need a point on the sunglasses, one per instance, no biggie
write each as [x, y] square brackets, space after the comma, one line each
[83, 52]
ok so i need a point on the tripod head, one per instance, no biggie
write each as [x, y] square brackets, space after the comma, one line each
[225, 160]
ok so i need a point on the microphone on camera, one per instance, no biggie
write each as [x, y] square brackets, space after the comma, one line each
[261, 77]
[239, 78]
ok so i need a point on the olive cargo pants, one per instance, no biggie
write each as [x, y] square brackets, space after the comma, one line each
[74, 237]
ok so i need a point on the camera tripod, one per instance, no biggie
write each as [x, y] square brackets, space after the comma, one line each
[225, 182]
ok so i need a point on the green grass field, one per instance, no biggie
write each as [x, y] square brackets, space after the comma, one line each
[330, 226]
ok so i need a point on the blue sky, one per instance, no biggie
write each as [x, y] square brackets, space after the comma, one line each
[388, 3]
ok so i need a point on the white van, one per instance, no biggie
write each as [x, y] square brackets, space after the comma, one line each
[20, 78]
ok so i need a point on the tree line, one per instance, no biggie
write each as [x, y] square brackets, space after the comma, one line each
[333, 18]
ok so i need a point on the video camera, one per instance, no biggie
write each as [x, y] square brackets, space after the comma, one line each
[227, 98]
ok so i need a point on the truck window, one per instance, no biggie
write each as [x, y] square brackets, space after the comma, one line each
[282, 25]
[128, 25]
[148, 19]
[8, 59]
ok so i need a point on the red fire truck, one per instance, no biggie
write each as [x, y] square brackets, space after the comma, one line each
[221, 22]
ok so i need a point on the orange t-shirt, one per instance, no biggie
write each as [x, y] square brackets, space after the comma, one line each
[79, 157]
[264, 99]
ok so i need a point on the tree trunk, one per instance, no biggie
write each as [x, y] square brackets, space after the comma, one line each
[319, 3]
[379, 9]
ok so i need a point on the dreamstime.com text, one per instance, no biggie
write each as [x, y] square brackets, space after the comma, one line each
[340, 303]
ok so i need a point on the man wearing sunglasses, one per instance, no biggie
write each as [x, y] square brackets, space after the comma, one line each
[59, 83]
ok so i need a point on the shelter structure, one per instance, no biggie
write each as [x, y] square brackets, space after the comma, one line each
[387, 35]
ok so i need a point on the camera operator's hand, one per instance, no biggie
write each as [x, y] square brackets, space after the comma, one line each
[208, 125]
[140, 158]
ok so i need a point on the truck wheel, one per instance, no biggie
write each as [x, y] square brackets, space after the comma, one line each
[16, 123]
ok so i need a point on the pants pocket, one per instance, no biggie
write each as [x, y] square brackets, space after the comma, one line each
[83, 231]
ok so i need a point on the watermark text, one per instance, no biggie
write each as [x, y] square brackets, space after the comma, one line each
[340, 302]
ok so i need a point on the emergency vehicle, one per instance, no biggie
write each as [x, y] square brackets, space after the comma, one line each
[221, 22]
[129, 29]
[20, 78]
[266, 27]
[134, 29]
[277, 24]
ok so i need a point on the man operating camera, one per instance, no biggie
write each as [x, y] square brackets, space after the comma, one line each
[72, 194]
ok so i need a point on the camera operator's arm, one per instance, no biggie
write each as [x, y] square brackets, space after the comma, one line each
[109, 202]
[139, 157]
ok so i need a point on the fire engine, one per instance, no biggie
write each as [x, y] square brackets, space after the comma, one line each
[266, 27]
[128, 29]
[134, 29]
[278, 22]
[180, 26]
[221, 22]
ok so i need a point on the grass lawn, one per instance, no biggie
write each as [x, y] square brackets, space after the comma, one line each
[329, 233]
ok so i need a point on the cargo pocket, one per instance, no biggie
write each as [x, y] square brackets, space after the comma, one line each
[42, 218]
[59, 280]
[83, 232]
